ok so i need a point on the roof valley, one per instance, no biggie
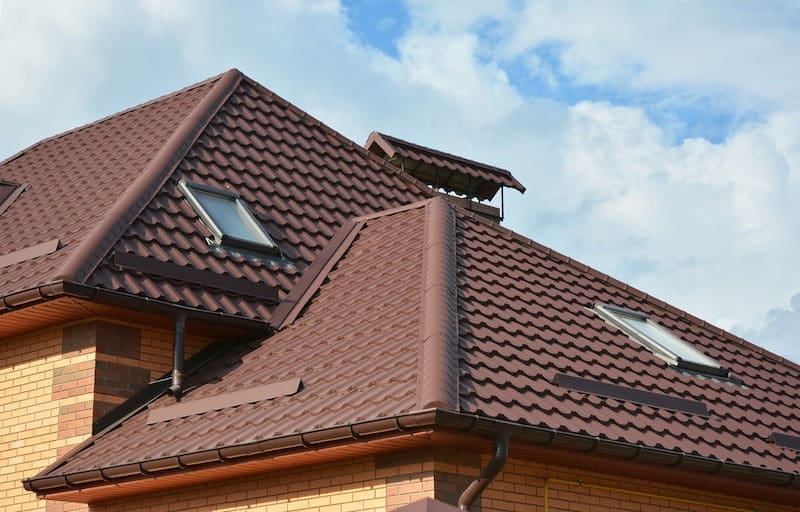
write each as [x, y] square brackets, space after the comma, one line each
[437, 380]
[104, 235]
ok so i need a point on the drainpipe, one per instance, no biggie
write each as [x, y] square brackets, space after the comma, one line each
[488, 473]
[178, 356]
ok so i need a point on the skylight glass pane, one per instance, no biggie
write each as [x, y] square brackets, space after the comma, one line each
[232, 218]
[668, 341]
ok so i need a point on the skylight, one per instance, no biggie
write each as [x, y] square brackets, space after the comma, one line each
[659, 340]
[228, 218]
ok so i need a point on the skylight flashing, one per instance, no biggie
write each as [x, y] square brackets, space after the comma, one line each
[228, 218]
[660, 341]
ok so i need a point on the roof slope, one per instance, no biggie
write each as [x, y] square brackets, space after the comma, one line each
[355, 350]
[362, 347]
[525, 317]
[76, 178]
[299, 177]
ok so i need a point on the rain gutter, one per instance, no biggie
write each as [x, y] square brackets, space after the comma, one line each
[392, 426]
[58, 289]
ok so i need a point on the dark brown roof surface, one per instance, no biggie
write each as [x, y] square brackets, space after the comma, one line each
[354, 349]
[525, 318]
[415, 304]
[367, 347]
[456, 173]
[75, 179]
[299, 177]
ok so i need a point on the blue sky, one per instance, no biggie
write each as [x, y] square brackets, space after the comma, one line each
[659, 141]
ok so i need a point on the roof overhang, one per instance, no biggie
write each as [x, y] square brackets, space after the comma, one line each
[60, 302]
[424, 428]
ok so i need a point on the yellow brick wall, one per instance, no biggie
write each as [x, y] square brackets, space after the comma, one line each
[521, 486]
[29, 416]
[47, 398]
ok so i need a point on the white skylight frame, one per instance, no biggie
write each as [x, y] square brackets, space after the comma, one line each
[659, 340]
[249, 235]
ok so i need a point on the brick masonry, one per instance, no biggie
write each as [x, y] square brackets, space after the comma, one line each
[56, 382]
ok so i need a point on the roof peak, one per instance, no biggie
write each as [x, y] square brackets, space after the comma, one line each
[119, 113]
[129, 205]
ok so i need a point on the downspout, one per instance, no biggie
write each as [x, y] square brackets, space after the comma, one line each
[488, 473]
[178, 356]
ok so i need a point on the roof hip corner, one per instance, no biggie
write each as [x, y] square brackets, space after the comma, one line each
[437, 379]
[81, 263]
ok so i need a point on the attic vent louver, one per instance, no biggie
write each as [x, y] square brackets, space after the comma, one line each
[638, 396]
[786, 441]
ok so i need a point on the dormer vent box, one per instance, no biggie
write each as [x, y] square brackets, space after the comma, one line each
[444, 171]
[228, 218]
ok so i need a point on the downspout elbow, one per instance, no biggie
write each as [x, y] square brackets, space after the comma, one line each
[179, 342]
[487, 474]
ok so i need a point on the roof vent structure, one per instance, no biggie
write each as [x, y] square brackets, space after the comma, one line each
[468, 179]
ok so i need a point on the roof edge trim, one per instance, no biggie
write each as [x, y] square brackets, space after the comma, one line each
[61, 288]
[401, 424]
[105, 234]
[437, 376]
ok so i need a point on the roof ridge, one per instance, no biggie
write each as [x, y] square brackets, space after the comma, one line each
[437, 375]
[111, 116]
[385, 164]
[613, 281]
[138, 194]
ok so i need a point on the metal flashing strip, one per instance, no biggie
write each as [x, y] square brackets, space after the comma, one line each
[224, 401]
[627, 394]
[31, 252]
[192, 275]
[785, 441]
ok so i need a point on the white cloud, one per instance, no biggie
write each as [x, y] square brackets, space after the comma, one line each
[706, 48]
[697, 223]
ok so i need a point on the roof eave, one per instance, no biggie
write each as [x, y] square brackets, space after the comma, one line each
[404, 424]
[61, 288]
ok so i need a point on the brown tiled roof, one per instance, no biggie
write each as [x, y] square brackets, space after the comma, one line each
[526, 317]
[393, 302]
[376, 340]
[75, 178]
[119, 197]
[354, 349]
[444, 170]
